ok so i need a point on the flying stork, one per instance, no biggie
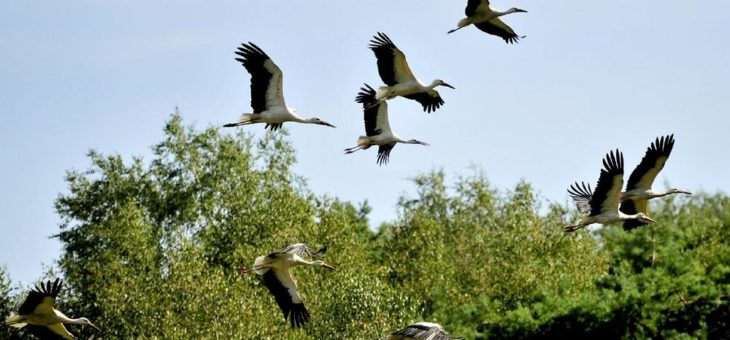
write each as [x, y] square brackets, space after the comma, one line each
[486, 19]
[38, 313]
[422, 331]
[395, 73]
[638, 189]
[275, 269]
[377, 128]
[267, 95]
[602, 206]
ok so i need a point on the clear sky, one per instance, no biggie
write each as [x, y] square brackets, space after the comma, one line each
[590, 76]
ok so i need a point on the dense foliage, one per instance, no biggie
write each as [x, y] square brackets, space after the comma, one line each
[153, 249]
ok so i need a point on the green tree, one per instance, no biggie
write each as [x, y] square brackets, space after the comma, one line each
[667, 280]
[152, 249]
[470, 254]
[7, 302]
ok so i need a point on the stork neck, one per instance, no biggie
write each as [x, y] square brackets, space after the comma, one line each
[77, 321]
[655, 194]
[299, 119]
[509, 11]
[625, 217]
[298, 261]
[64, 319]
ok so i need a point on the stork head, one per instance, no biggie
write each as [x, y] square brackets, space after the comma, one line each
[517, 10]
[416, 141]
[320, 122]
[86, 323]
[440, 82]
[644, 218]
[320, 263]
[680, 191]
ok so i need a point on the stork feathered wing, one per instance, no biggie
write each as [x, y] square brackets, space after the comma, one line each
[423, 331]
[581, 194]
[42, 299]
[653, 162]
[299, 249]
[384, 153]
[392, 64]
[497, 27]
[267, 80]
[284, 289]
[430, 100]
[375, 112]
[48, 333]
[476, 6]
[607, 195]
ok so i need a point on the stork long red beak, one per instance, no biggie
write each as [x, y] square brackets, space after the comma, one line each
[448, 85]
[327, 124]
[328, 266]
[94, 326]
[684, 192]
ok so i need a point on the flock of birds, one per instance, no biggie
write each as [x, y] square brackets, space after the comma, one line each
[606, 205]
[267, 95]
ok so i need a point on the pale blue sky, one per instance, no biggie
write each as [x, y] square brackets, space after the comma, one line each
[589, 77]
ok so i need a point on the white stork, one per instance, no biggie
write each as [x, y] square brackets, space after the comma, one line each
[267, 95]
[377, 128]
[638, 189]
[486, 18]
[422, 331]
[275, 269]
[38, 313]
[602, 207]
[395, 73]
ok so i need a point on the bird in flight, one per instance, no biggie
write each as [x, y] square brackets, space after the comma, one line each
[396, 74]
[486, 19]
[276, 271]
[39, 315]
[377, 127]
[421, 331]
[267, 95]
[603, 205]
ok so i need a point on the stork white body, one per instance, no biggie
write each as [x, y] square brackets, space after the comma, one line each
[398, 78]
[276, 271]
[421, 331]
[38, 314]
[377, 127]
[267, 95]
[603, 206]
[410, 87]
[487, 19]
